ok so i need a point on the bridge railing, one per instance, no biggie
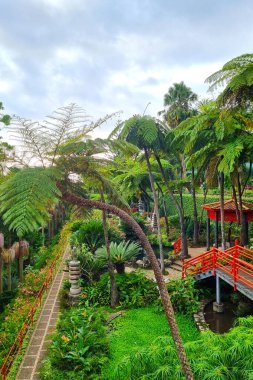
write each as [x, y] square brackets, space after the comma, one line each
[236, 261]
[177, 246]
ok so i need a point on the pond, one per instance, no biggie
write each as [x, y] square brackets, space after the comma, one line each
[220, 322]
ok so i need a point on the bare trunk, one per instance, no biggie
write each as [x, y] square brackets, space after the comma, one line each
[222, 217]
[9, 275]
[158, 275]
[236, 205]
[195, 211]
[156, 206]
[167, 227]
[21, 263]
[180, 209]
[202, 211]
[243, 234]
[114, 290]
[1, 273]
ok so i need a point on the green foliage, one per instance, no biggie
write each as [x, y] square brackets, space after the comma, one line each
[129, 233]
[26, 197]
[91, 233]
[184, 295]
[79, 346]
[90, 266]
[219, 357]
[138, 329]
[120, 253]
[16, 311]
[135, 290]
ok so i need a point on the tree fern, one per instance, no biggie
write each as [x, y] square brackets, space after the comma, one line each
[26, 197]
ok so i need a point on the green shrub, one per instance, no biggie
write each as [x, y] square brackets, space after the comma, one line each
[213, 356]
[80, 344]
[120, 254]
[184, 295]
[91, 233]
[135, 290]
[129, 233]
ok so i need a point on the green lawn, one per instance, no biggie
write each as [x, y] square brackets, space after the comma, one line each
[138, 328]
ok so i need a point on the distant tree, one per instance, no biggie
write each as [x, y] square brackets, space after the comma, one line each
[5, 119]
[178, 102]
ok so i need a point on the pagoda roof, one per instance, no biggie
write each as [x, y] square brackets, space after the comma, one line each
[229, 206]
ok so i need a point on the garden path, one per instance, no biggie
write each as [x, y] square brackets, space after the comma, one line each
[36, 350]
[175, 271]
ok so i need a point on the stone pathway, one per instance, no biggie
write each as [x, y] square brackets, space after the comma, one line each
[36, 350]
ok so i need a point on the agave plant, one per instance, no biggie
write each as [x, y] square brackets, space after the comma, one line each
[120, 254]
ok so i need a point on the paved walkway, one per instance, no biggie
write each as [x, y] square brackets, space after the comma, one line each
[36, 350]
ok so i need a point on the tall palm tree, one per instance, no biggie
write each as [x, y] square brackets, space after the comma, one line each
[143, 132]
[178, 102]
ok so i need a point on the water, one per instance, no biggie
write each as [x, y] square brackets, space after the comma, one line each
[220, 322]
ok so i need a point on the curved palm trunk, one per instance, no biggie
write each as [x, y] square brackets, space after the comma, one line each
[180, 210]
[114, 290]
[155, 266]
[156, 206]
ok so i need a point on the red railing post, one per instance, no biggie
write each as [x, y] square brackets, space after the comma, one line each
[234, 265]
[183, 271]
[214, 261]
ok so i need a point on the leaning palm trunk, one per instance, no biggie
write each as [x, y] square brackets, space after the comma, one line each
[156, 207]
[155, 266]
[114, 290]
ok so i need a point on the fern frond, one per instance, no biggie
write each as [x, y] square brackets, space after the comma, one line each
[26, 197]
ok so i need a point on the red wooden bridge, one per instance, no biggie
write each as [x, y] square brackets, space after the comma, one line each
[234, 265]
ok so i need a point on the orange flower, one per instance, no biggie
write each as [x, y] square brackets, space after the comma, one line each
[84, 295]
[65, 338]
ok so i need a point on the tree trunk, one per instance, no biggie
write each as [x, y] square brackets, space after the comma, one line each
[167, 227]
[9, 276]
[243, 233]
[202, 211]
[236, 205]
[1, 273]
[222, 217]
[156, 206]
[21, 263]
[114, 290]
[180, 210]
[155, 266]
[195, 211]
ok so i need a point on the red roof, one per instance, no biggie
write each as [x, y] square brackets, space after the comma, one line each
[229, 206]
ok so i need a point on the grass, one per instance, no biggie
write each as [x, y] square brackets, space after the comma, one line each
[138, 328]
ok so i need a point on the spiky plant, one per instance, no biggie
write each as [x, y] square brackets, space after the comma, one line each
[120, 254]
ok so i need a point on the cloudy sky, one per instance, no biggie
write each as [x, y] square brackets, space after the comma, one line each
[110, 55]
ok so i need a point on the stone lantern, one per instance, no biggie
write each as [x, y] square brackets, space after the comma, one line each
[74, 276]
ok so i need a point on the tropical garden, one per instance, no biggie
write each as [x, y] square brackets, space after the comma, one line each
[117, 205]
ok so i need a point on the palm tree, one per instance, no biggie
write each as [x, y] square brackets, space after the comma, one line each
[143, 132]
[178, 102]
[60, 181]
[237, 75]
